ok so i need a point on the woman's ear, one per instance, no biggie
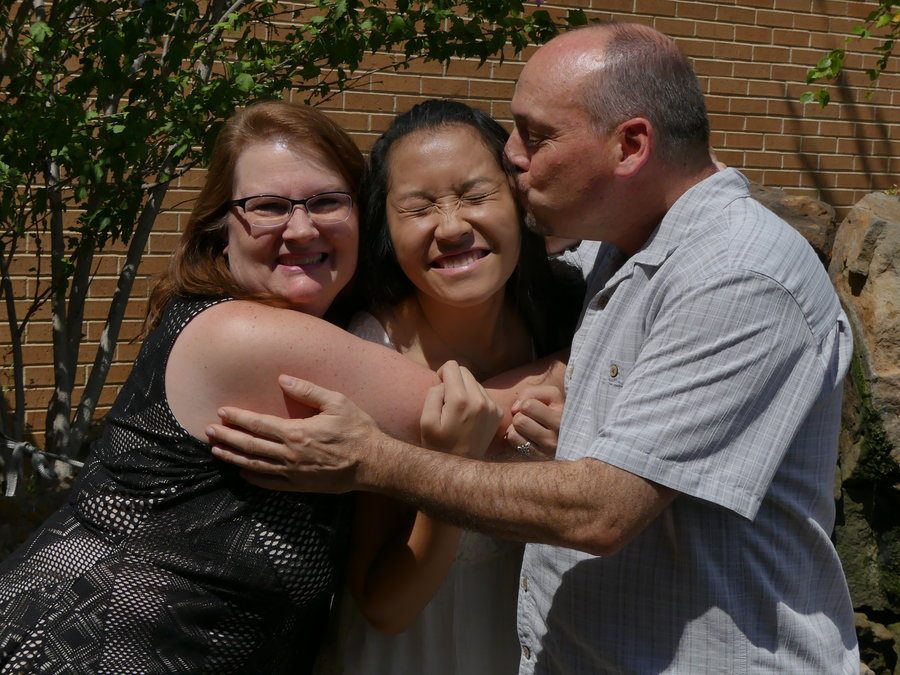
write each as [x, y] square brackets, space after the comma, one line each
[635, 139]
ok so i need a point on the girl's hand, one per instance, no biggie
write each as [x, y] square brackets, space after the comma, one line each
[535, 423]
[459, 417]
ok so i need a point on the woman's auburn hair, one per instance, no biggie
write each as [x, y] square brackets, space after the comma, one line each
[198, 266]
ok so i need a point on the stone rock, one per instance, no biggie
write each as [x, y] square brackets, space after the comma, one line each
[877, 646]
[865, 272]
[812, 218]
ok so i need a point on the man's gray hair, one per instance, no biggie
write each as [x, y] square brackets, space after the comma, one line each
[644, 74]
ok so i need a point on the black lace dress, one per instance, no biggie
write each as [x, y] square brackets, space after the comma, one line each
[165, 561]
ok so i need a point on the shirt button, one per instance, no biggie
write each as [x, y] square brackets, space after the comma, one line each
[569, 370]
[525, 584]
[614, 370]
[526, 652]
[602, 301]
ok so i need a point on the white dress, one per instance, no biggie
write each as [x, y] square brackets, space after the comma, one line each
[468, 628]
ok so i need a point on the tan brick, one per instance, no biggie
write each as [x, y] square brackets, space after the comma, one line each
[735, 52]
[726, 122]
[780, 178]
[369, 101]
[754, 71]
[829, 128]
[793, 5]
[386, 83]
[818, 145]
[656, 8]
[761, 160]
[717, 31]
[858, 146]
[696, 10]
[768, 125]
[490, 89]
[772, 90]
[749, 106]
[753, 34]
[836, 163]
[882, 146]
[753, 175]
[811, 22]
[793, 38]
[735, 14]
[713, 68]
[168, 221]
[744, 141]
[506, 71]
[781, 143]
[728, 86]
[695, 49]
[791, 161]
[771, 54]
[676, 27]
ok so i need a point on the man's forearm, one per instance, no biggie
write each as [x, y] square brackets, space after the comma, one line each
[585, 504]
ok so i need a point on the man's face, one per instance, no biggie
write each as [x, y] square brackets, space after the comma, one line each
[564, 167]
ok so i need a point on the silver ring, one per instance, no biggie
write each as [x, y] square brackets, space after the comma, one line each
[525, 449]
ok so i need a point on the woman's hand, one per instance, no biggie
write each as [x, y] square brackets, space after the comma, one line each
[536, 419]
[459, 416]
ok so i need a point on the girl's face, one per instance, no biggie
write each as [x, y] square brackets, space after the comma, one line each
[304, 262]
[452, 215]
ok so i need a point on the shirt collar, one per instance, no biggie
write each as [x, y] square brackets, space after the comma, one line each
[690, 214]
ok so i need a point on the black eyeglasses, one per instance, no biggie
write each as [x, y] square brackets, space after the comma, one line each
[270, 211]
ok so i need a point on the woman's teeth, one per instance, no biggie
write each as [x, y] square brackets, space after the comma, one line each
[298, 261]
[460, 260]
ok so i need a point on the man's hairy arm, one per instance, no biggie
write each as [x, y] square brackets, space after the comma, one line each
[585, 504]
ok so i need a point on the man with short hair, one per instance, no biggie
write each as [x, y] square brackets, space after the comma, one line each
[684, 524]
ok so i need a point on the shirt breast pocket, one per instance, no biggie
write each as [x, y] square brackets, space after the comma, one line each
[613, 372]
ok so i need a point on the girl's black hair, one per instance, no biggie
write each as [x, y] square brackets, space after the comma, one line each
[547, 293]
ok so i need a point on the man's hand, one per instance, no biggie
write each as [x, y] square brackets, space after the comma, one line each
[321, 453]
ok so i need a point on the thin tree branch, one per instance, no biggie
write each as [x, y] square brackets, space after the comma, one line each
[116, 314]
[18, 418]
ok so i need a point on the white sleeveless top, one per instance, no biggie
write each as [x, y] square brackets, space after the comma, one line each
[468, 628]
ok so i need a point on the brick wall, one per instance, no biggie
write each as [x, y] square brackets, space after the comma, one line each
[751, 58]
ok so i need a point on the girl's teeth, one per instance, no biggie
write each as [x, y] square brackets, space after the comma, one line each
[459, 261]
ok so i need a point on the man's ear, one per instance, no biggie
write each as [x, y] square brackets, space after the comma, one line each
[635, 139]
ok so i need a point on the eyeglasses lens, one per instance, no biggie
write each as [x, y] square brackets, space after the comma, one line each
[324, 209]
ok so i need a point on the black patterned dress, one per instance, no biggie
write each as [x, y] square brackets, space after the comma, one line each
[165, 561]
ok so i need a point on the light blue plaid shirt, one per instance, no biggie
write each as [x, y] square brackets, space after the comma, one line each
[711, 362]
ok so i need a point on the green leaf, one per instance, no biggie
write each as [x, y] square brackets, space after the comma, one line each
[39, 31]
[244, 82]
[397, 25]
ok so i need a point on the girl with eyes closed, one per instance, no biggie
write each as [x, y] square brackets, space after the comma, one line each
[451, 273]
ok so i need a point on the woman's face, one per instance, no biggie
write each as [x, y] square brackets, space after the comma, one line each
[305, 263]
[451, 215]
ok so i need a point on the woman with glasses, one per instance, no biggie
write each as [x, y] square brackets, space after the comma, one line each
[165, 559]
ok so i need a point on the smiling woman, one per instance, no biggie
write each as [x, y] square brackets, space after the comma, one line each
[305, 256]
[166, 560]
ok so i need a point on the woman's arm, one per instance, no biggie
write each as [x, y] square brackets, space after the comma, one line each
[233, 353]
[400, 557]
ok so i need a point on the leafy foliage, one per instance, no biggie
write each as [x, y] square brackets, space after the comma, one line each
[104, 102]
[882, 23]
